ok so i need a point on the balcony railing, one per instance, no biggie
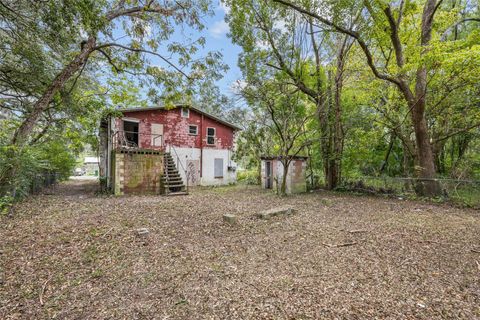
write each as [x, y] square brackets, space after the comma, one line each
[130, 140]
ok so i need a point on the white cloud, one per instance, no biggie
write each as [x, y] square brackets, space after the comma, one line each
[237, 86]
[225, 8]
[219, 29]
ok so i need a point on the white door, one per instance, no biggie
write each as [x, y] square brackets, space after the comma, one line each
[157, 135]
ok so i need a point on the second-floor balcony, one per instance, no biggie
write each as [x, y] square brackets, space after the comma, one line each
[132, 140]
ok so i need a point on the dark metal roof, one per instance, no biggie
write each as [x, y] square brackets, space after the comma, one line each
[209, 115]
[281, 157]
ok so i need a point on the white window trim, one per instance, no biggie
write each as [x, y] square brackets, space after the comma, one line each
[131, 119]
[196, 129]
[188, 112]
[214, 135]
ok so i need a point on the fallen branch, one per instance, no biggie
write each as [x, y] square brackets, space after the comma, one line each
[44, 287]
[106, 233]
[475, 251]
[358, 231]
[346, 244]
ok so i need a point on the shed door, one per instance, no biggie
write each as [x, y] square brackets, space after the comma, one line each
[218, 168]
[268, 174]
[157, 134]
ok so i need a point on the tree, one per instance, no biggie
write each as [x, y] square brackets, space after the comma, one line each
[287, 111]
[89, 25]
[386, 24]
[49, 46]
[273, 40]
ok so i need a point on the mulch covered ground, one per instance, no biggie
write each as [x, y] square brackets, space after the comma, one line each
[75, 255]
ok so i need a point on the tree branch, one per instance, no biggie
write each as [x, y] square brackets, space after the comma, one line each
[349, 32]
[445, 33]
[476, 125]
[141, 9]
[105, 45]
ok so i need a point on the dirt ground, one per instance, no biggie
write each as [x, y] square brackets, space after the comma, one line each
[76, 255]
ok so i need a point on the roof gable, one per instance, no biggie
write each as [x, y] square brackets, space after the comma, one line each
[209, 115]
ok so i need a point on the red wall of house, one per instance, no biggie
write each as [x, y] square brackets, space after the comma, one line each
[175, 129]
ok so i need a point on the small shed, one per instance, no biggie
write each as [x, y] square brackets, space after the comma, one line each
[90, 165]
[272, 173]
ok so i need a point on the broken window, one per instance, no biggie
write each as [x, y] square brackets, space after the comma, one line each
[130, 130]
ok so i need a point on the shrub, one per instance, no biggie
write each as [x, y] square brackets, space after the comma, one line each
[250, 177]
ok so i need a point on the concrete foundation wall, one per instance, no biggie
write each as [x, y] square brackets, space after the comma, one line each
[137, 172]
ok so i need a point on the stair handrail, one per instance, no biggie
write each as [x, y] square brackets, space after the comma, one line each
[165, 170]
[181, 164]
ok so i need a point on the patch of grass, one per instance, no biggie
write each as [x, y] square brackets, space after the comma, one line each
[90, 254]
[97, 273]
[326, 202]
[469, 197]
[94, 232]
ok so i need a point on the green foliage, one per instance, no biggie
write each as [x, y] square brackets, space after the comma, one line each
[57, 158]
[6, 202]
[378, 137]
[249, 177]
[41, 39]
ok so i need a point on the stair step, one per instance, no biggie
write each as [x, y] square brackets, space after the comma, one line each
[175, 177]
[175, 185]
[178, 193]
[172, 176]
[173, 181]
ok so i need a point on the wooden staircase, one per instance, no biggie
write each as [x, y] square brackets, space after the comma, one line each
[172, 180]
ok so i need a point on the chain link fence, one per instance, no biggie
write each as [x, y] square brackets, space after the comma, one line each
[464, 192]
[44, 180]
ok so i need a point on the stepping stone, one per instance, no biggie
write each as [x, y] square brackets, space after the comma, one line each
[142, 232]
[230, 218]
[267, 214]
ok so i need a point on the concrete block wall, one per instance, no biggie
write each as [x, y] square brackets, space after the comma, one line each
[137, 172]
[296, 176]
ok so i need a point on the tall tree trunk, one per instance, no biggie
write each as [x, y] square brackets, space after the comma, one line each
[389, 150]
[327, 135]
[22, 134]
[336, 158]
[427, 172]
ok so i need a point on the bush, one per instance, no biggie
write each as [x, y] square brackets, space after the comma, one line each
[22, 170]
[249, 177]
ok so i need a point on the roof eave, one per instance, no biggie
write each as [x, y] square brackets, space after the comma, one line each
[228, 124]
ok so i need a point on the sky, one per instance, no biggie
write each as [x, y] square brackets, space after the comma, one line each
[216, 39]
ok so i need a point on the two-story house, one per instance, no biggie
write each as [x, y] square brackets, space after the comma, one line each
[165, 150]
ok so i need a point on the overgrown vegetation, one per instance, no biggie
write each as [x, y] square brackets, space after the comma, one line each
[63, 65]
[392, 89]
[366, 88]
